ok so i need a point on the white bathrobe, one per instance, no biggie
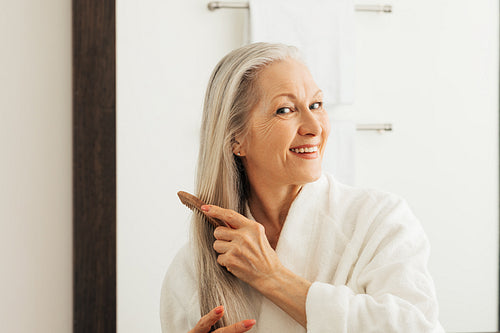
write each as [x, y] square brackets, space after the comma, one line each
[364, 252]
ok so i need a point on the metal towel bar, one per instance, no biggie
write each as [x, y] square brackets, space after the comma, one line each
[213, 5]
[374, 127]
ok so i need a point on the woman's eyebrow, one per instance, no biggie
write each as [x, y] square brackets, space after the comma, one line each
[292, 96]
[319, 92]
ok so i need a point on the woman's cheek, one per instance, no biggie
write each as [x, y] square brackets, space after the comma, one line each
[325, 120]
[263, 129]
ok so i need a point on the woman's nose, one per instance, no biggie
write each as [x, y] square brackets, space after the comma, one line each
[310, 124]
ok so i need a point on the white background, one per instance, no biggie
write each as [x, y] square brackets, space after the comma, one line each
[430, 68]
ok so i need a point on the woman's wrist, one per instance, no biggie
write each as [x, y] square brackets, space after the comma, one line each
[267, 284]
[287, 290]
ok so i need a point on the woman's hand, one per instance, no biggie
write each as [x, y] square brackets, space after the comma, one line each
[207, 321]
[245, 251]
[244, 248]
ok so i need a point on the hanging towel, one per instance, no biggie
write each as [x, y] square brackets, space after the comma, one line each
[339, 154]
[323, 30]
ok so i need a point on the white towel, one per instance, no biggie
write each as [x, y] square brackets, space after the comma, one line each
[323, 30]
[339, 154]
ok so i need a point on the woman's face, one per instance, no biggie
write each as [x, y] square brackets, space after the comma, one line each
[288, 127]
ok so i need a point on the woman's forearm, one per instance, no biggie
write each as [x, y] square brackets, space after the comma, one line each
[288, 291]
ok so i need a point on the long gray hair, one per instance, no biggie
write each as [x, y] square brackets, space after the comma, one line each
[221, 178]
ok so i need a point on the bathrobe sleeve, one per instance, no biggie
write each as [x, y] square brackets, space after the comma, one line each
[390, 288]
[179, 309]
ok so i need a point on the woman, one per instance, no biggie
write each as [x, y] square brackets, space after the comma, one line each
[304, 252]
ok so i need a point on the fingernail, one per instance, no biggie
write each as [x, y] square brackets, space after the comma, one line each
[205, 208]
[248, 323]
[219, 309]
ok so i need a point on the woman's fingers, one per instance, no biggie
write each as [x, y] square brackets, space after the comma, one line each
[240, 327]
[229, 216]
[225, 234]
[208, 320]
[221, 246]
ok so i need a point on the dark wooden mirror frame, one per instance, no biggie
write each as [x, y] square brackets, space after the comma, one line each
[94, 166]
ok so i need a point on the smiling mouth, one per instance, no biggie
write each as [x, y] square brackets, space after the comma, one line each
[304, 150]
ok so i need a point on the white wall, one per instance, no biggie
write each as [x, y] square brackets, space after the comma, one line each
[430, 68]
[35, 168]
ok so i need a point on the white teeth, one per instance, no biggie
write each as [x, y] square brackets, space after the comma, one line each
[305, 150]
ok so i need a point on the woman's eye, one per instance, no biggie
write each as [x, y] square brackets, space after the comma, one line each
[284, 110]
[316, 105]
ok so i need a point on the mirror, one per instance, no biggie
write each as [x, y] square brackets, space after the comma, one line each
[430, 69]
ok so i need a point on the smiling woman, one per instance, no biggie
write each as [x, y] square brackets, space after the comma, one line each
[302, 250]
[431, 81]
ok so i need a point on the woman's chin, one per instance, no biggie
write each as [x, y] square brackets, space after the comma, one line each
[311, 176]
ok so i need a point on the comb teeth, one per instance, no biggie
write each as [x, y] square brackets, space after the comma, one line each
[195, 204]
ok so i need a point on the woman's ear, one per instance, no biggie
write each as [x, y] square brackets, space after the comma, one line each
[238, 147]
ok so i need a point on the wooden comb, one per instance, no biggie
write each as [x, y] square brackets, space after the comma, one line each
[195, 204]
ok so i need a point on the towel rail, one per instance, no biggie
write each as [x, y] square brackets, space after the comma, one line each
[213, 5]
[374, 127]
